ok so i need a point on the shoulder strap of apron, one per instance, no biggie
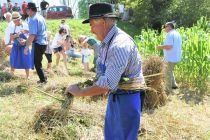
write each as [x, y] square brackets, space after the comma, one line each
[111, 40]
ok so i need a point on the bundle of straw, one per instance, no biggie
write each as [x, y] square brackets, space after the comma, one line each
[52, 115]
[153, 70]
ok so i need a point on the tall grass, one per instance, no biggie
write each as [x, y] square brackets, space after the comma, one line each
[195, 66]
[194, 69]
[147, 42]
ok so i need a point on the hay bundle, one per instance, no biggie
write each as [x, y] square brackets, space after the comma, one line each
[51, 116]
[2, 47]
[6, 77]
[88, 83]
[85, 84]
[4, 65]
[153, 70]
[48, 117]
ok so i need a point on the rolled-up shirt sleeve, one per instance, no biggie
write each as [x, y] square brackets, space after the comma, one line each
[117, 60]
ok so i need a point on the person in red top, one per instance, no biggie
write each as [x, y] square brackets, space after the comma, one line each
[9, 6]
[24, 9]
[3, 10]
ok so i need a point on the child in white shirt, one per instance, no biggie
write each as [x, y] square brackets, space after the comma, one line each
[48, 52]
[58, 46]
[85, 51]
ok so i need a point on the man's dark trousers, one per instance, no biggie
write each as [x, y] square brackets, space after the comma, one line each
[39, 50]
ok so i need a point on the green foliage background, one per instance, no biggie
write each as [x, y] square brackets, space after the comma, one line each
[84, 5]
[194, 70]
[153, 13]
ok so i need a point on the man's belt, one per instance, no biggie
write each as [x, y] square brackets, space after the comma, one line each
[130, 84]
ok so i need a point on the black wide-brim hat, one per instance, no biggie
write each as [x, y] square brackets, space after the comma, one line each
[31, 5]
[98, 10]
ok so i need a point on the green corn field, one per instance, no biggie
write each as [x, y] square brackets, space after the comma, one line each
[194, 69]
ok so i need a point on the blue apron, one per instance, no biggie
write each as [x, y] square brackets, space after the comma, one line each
[18, 60]
[122, 118]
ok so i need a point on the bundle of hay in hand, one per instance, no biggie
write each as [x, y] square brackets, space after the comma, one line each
[153, 71]
[51, 116]
[89, 83]
[85, 84]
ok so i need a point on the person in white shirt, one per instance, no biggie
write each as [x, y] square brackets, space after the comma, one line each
[48, 51]
[85, 51]
[20, 32]
[121, 9]
[65, 26]
[172, 54]
[58, 46]
[10, 25]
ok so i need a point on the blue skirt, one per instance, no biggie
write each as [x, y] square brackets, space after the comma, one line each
[18, 60]
[122, 119]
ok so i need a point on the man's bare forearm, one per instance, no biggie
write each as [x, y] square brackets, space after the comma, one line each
[93, 90]
[30, 40]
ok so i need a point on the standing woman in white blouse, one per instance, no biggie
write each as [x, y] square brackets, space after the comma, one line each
[18, 59]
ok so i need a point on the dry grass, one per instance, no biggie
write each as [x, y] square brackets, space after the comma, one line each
[85, 120]
[2, 47]
[176, 120]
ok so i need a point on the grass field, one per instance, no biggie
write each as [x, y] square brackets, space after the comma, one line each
[184, 116]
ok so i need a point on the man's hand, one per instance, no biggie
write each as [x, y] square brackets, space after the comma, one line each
[159, 47]
[73, 89]
[164, 47]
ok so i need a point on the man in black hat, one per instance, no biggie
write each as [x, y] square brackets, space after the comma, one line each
[119, 74]
[38, 39]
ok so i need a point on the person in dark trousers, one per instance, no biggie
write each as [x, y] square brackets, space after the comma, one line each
[119, 73]
[38, 39]
[44, 5]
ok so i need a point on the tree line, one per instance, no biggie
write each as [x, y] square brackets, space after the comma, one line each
[154, 13]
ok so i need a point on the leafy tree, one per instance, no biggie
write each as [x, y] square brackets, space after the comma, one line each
[84, 5]
[154, 13]
[150, 13]
[188, 12]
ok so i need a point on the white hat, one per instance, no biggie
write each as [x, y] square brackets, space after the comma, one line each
[7, 13]
[16, 15]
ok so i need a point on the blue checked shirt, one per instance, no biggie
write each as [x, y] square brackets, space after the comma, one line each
[122, 58]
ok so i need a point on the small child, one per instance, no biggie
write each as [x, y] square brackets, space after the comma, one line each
[58, 47]
[94, 44]
[85, 51]
[70, 48]
[65, 26]
[48, 52]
